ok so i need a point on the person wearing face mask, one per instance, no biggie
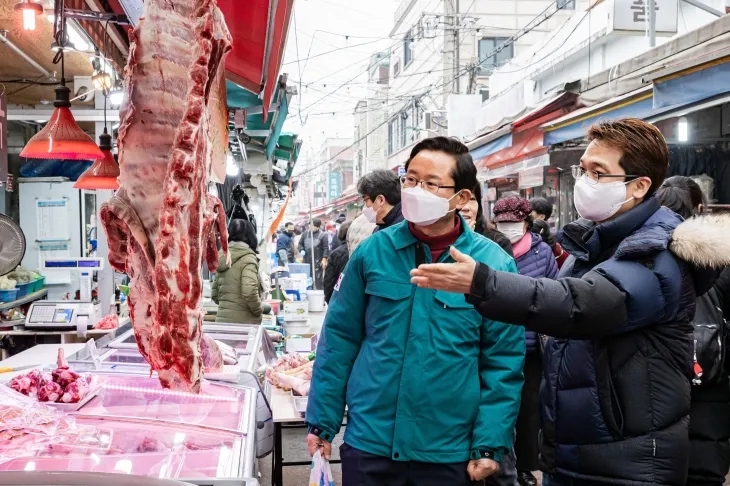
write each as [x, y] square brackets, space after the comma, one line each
[432, 388]
[535, 259]
[380, 191]
[615, 399]
[473, 214]
[286, 243]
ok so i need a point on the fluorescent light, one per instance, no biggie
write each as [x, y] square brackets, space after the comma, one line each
[682, 129]
[116, 97]
[76, 38]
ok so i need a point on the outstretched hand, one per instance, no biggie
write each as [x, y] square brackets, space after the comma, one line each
[453, 277]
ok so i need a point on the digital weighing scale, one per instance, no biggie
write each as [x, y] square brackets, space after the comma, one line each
[79, 314]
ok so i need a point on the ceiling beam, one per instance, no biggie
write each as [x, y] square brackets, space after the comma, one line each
[95, 30]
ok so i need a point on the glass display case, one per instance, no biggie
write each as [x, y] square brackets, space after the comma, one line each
[134, 427]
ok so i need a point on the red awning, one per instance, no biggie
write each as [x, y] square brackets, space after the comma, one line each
[259, 32]
[258, 29]
[524, 145]
[551, 109]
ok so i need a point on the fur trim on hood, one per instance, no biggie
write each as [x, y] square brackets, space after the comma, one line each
[703, 241]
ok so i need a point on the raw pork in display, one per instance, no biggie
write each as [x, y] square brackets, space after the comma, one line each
[291, 372]
[161, 224]
[50, 391]
[27, 384]
[62, 385]
[212, 356]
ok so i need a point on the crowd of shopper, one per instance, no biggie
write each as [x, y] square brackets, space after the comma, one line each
[470, 348]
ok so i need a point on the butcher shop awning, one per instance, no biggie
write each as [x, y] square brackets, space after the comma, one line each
[524, 145]
[264, 130]
[259, 29]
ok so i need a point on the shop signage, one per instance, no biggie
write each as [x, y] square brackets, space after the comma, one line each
[3, 139]
[531, 177]
[491, 194]
[633, 16]
[401, 171]
[335, 185]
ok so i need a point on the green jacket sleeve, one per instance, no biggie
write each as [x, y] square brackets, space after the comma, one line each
[250, 288]
[501, 361]
[339, 346]
[214, 289]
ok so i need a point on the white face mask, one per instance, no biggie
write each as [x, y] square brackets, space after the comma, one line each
[513, 231]
[370, 213]
[598, 202]
[422, 207]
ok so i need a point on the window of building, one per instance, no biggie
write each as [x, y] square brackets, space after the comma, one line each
[565, 4]
[488, 61]
[396, 68]
[407, 44]
[485, 93]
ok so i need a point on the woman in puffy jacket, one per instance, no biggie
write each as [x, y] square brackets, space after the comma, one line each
[535, 259]
[237, 286]
[709, 416]
[336, 263]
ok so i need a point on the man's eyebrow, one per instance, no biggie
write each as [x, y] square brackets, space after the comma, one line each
[600, 164]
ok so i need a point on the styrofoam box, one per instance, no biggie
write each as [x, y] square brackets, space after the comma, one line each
[303, 343]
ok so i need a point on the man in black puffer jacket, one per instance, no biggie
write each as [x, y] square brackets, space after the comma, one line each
[615, 397]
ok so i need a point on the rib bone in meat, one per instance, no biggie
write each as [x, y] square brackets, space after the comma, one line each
[160, 225]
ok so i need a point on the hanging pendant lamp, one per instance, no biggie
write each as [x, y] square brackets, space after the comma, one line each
[29, 10]
[104, 172]
[62, 138]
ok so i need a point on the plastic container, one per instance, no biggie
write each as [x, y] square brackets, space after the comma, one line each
[300, 268]
[292, 328]
[39, 283]
[316, 300]
[275, 305]
[24, 289]
[8, 295]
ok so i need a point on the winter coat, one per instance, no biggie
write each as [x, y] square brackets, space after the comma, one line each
[425, 377]
[499, 239]
[237, 288]
[538, 262]
[615, 397]
[286, 243]
[394, 216]
[336, 243]
[360, 229]
[321, 242]
[335, 266]
[709, 423]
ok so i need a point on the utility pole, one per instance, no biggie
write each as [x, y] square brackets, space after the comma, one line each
[651, 5]
[457, 44]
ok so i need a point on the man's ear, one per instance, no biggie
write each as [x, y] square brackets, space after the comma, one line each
[640, 187]
[462, 199]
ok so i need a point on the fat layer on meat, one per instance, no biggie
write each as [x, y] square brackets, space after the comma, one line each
[161, 224]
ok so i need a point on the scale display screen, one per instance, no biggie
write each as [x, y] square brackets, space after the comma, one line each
[61, 264]
[89, 264]
[62, 316]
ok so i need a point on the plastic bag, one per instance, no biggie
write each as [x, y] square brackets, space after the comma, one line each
[321, 474]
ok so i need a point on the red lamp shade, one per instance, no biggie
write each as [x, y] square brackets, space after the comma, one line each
[62, 138]
[103, 173]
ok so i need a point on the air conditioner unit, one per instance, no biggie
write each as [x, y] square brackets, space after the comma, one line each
[83, 89]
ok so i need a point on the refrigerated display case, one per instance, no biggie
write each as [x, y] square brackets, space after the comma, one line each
[118, 353]
[141, 429]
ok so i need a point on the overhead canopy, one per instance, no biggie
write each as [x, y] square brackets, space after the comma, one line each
[501, 143]
[524, 145]
[694, 84]
[259, 29]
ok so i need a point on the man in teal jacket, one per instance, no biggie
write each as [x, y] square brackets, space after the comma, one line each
[433, 389]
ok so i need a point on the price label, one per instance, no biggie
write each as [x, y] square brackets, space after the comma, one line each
[93, 353]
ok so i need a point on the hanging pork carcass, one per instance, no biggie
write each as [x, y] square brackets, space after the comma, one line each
[162, 224]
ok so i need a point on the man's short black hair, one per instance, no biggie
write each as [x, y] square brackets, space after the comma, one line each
[464, 172]
[380, 182]
[288, 223]
[542, 206]
[242, 230]
[317, 222]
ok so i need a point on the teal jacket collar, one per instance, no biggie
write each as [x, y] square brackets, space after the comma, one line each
[402, 237]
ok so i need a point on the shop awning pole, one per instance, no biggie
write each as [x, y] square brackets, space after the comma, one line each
[311, 239]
